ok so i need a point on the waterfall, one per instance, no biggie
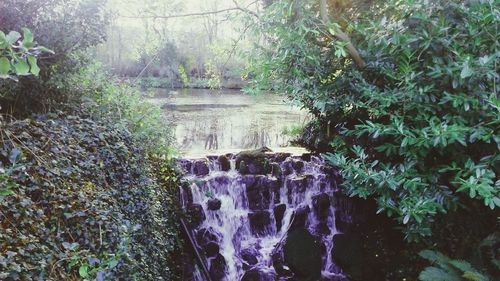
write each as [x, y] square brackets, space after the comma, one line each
[241, 222]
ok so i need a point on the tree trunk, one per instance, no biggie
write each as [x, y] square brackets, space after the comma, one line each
[341, 35]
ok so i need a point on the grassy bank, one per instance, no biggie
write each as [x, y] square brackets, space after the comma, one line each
[193, 83]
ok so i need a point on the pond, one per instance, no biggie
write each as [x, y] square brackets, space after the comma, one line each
[218, 121]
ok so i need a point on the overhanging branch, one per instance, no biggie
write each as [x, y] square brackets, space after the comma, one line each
[236, 8]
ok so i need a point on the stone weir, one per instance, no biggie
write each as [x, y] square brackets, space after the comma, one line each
[260, 216]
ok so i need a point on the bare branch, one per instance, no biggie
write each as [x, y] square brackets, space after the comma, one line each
[236, 8]
[341, 35]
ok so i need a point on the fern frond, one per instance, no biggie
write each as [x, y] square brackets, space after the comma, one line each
[434, 257]
[461, 265]
[475, 276]
[432, 273]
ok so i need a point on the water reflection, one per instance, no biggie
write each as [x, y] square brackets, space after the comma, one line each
[210, 121]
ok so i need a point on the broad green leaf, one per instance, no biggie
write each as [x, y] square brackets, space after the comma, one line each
[13, 36]
[434, 274]
[4, 66]
[22, 67]
[3, 41]
[84, 270]
[35, 70]
[466, 71]
[28, 36]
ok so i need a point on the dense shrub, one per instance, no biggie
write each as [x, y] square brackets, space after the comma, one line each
[80, 200]
[125, 105]
[66, 27]
[416, 128]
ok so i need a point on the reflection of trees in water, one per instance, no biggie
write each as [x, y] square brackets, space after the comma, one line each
[211, 141]
[257, 136]
[197, 135]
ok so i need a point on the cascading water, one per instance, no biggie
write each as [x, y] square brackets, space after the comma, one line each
[251, 226]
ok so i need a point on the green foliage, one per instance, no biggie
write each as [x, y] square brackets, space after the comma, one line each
[417, 128]
[446, 269]
[183, 75]
[214, 76]
[87, 203]
[18, 54]
[84, 25]
[7, 182]
[126, 106]
[156, 82]
[293, 130]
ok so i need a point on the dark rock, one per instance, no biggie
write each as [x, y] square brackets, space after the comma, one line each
[279, 262]
[300, 215]
[259, 222]
[185, 164]
[321, 205]
[348, 254]
[211, 249]
[331, 172]
[298, 166]
[258, 191]
[214, 204]
[249, 257]
[281, 156]
[206, 235]
[287, 167]
[297, 184]
[279, 212]
[253, 161]
[249, 180]
[257, 275]
[302, 254]
[242, 167]
[258, 168]
[224, 163]
[343, 221]
[271, 187]
[275, 170]
[218, 268]
[187, 194]
[322, 229]
[196, 214]
[200, 168]
[188, 267]
[306, 157]
[220, 181]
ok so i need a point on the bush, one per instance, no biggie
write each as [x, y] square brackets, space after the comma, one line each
[84, 22]
[80, 200]
[18, 54]
[417, 127]
[125, 105]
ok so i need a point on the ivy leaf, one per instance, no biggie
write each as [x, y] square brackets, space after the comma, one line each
[28, 36]
[35, 70]
[466, 71]
[22, 67]
[3, 41]
[12, 37]
[84, 270]
[4, 67]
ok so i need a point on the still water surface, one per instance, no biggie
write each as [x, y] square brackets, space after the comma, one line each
[217, 121]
